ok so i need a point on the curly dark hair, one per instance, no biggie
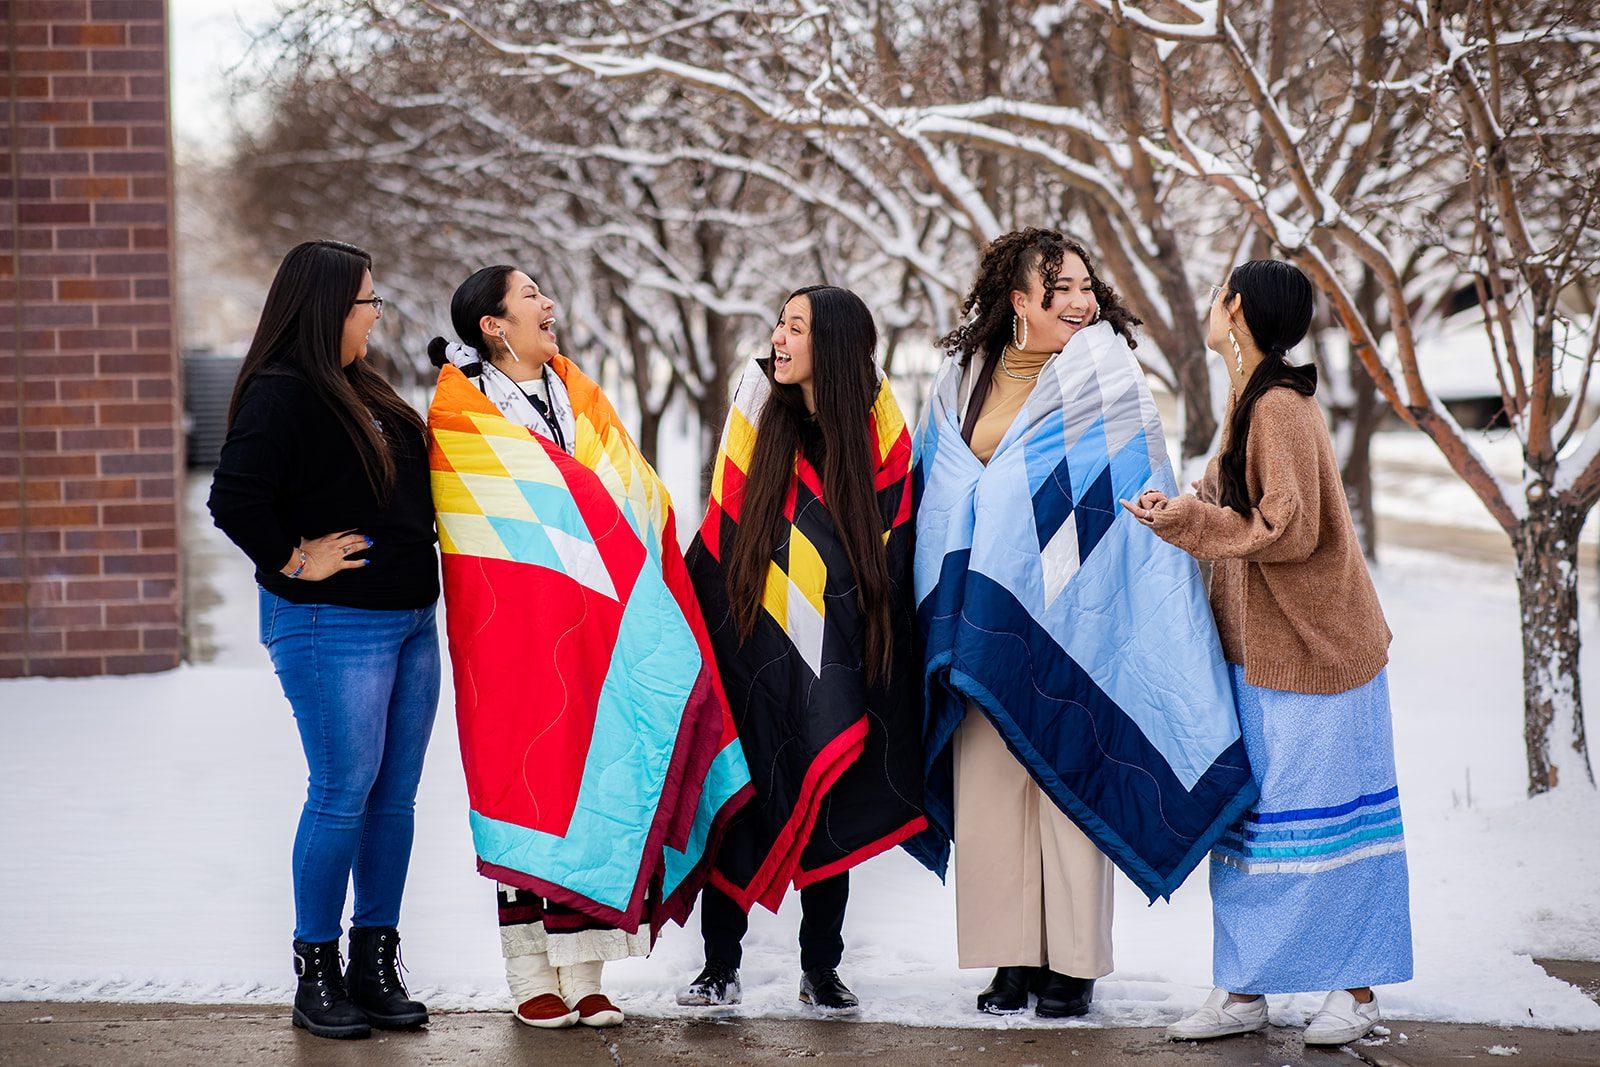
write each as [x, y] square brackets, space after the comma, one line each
[1005, 266]
[987, 314]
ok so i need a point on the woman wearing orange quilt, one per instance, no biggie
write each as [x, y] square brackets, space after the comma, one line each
[600, 757]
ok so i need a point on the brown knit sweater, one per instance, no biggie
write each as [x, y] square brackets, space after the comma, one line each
[1290, 589]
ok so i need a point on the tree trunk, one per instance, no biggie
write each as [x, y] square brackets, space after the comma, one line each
[991, 56]
[649, 434]
[1546, 543]
[712, 404]
[1355, 423]
[1360, 422]
[1189, 366]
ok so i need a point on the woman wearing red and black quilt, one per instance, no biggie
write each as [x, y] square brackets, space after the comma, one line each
[803, 571]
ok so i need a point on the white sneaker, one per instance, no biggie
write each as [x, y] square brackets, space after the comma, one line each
[1342, 1018]
[1220, 1017]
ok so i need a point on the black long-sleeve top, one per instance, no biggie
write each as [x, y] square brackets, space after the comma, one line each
[290, 470]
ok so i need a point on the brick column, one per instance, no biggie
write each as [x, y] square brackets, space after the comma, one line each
[90, 448]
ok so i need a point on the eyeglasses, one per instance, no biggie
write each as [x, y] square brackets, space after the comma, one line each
[1216, 291]
[376, 302]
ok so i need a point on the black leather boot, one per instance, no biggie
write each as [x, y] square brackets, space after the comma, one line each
[374, 979]
[321, 1005]
[1008, 992]
[1063, 997]
[825, 991]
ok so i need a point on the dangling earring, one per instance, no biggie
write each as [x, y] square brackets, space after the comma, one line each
[515, 359]
[1238, 353]
[1021, 343]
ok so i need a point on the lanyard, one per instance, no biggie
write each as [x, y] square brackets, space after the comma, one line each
[546, 410]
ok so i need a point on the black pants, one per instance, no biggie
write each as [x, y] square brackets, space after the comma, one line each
[722, 924]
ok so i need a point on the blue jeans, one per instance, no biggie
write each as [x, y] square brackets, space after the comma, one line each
[364, 686]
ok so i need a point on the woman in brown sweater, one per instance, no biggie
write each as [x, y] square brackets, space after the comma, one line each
[1310, 889]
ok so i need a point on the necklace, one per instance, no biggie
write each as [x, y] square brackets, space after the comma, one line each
[1013, 375]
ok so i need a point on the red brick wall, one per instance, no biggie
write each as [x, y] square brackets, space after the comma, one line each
[90, 448]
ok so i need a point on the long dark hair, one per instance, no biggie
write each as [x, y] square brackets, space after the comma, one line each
[845, 385]
[301, 330]
[987, 311]
[1275, 298]
[482, 294]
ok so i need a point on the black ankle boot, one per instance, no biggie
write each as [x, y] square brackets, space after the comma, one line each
[374, 979]
[825, 991]
[1063, 997]
[1008, 992]
[321, 1005]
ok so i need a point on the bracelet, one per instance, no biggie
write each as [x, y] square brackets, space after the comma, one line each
[296, 572]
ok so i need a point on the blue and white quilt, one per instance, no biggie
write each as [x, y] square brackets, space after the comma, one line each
[1086, 639]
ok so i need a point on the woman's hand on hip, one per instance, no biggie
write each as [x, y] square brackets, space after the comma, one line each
[326, 556]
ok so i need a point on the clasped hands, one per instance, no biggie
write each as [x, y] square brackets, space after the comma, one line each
[1144, 509]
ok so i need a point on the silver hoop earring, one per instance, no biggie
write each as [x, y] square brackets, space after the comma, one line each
[1238, 353]
[1096, 315]
[1021, 343]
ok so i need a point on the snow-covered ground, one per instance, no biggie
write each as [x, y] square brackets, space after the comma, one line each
[144, 848]
[1413, 482]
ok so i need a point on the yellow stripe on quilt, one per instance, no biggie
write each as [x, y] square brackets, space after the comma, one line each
[775, 598]
[717, 468]
[524, 458]
[471, 535]
[740, 441]
[497, 425]
[625, 474]
[587, 439]
[600, 463]
[618, 451]
[447, 544]
[644, 489]
[629, 484]
[887, 418]
[451, 494]
[499, 497]
[806, 569]
[468, 451]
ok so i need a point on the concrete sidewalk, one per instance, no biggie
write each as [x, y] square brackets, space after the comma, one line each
[56, 1035]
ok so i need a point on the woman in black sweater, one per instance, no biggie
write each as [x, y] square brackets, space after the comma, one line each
[323, 482]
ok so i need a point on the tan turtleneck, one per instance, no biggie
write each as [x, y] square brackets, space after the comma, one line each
[1006, 396]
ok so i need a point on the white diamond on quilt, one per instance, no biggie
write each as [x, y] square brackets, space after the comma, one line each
[1059, 560]
[805, 629]
[582, 562]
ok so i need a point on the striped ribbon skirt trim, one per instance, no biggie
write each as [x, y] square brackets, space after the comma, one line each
[1309, 840]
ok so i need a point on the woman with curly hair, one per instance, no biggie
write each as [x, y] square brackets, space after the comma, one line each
[1079, 711]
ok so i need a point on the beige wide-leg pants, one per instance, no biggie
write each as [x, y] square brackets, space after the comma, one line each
[1031, 889]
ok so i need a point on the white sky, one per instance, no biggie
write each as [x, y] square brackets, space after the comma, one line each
[209, 37]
